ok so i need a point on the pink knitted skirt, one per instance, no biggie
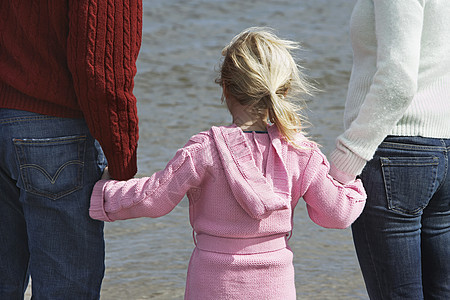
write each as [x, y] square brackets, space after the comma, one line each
[264, 271]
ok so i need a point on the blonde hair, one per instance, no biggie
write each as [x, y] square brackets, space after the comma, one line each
[259, 70]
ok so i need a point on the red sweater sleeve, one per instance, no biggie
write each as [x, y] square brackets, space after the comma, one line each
[103, 45]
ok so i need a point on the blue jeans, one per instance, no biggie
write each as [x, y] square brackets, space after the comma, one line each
[402, 238]
[48, 167]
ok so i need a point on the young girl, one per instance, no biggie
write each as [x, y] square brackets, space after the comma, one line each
[243, 181]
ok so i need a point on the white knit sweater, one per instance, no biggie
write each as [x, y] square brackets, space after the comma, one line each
[400, 80]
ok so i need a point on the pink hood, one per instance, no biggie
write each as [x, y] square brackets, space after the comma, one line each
[257, 193]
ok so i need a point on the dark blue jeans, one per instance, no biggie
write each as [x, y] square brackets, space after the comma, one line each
[403, 236]
[48, 167]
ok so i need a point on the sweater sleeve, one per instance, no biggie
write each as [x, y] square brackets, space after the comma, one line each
[329, 203]
[103, 44]
[153, 196]
[398, 27]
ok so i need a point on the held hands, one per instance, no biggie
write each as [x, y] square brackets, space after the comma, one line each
[106, 175]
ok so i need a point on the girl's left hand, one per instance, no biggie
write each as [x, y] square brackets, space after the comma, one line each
[106, 175]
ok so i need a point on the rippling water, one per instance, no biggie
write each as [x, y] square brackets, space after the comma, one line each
[177, 97]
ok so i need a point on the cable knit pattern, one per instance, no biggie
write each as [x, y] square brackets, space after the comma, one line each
[400, 80]
[76, 59]
[240, 186]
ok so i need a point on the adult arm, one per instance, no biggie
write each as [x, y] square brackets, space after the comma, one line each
[103, 45]
[398, 27]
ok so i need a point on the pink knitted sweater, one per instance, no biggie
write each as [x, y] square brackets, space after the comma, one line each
[242, 190]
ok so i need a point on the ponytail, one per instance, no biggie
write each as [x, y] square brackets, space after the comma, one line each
[285, 116]
[260, 72]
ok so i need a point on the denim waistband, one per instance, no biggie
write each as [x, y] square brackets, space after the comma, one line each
[241, 245]
[416, 143]
[9, 116]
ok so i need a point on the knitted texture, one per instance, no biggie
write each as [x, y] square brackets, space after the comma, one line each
[76, 59]
[239, 185]
[400, 80]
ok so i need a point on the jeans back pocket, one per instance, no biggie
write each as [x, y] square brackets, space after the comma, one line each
[51, 167]
[409, 182]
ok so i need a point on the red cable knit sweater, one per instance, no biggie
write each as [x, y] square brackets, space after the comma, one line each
[76, 59]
